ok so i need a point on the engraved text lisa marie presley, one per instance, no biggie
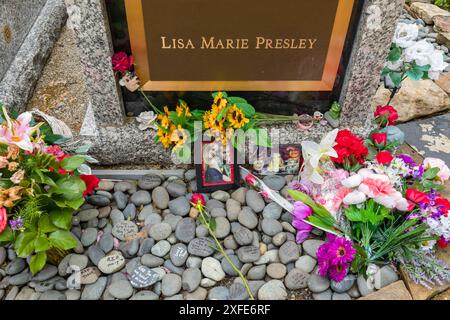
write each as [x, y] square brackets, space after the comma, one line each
[259, 43]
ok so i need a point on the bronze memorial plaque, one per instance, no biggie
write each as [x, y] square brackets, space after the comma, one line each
[251, 45]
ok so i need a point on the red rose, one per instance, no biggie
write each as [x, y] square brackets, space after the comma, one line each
[198, 198]
[444, 204]
[379, 139]
[91, 182]
[386, 115]
[416, 196]
[3, 219]
[384, 157]
[121, 62]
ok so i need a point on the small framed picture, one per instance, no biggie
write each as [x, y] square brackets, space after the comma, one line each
[285, 160]
[218, 169]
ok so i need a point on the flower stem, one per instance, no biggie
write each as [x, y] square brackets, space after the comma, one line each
[220, 249]
[149, 102]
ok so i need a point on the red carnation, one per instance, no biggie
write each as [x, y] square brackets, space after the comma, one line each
[91, 182]
[386, 115]
[350, 149]
[198, 198]
[379, 139]
[384, 157]
[442, 243]
[416, 196]
[121, 62]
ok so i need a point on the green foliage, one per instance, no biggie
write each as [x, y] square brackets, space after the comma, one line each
[444, 4]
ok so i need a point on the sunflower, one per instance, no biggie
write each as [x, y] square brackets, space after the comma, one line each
[211, 121]
[237, 118]
[180, 136]
[220, 101]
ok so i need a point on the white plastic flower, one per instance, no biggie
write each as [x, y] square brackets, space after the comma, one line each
[355, 197]
[395, 66]
[406, 34]
[313, 153]
[147, 120]
[419, 52]
[436, 60]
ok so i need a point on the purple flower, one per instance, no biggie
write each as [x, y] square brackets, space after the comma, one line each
[407, 159]
[418, 172]
[334, 258]
[300, 213]
[16, 224]
[300, 186]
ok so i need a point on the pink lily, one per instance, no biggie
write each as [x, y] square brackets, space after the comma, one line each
[18, 132]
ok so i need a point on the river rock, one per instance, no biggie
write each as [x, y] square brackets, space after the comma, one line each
[219, 293]
[180, 206]
[272, 290]
[233, 209]
[248, 218]
[141, 198]
[106, 243]
[124, 230]
[311, 247]
[248, 254]
[121, 289]
[98, 200]
[161, 248]
[87, 215]
[15, 266]
[296, 279]
[121, 199]
[94, 291]
[149, 182]
[171, 284]
[160, 231]
[223, 228]
[271, 227]
[274, 182]
[185, 230]
[191, 279]
[289, 252]
[143, 277]
[318, 284]
[89, 236]
[276, 270]
[212, 269]
[179, 254]
[130, 211]
[272, 211]
[201, 247]
[228, 269]
[111, 263]
[151, 261]
[255, 201]
[160, 198]
[176, 189]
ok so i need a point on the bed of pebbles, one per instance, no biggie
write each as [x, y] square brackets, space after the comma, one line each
[140, 240]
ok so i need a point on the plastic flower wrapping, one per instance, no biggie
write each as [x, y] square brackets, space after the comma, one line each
[41, 185]
[376, 205]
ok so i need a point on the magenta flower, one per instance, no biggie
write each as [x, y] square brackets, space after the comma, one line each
[334, 258]
[341, 251]
[300, 213]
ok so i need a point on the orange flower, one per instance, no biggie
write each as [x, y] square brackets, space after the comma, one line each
[8, 196]
[13, 152]
[12, 166]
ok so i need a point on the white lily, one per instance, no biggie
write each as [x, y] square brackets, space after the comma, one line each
[313, 153]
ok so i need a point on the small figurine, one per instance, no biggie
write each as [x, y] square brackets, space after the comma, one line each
[276, 163]
[130, 81]
[334, 114]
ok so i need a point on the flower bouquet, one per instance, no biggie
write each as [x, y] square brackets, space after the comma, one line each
[376, 207]
[41, 185]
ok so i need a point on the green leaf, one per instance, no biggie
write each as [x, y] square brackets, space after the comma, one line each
[72, 163]
[395, 54]
[24, 244]
[70, 187]
[7, 236]
[63, 240]
[74, 204]
[396, 78]
[415, 74]
[45, 225]
[41, 244]
[431, 173]
[223, 113]
[247, 109]
[353, 214]
[37, 262]
[62, 218]
[213, 224]
[236, 100]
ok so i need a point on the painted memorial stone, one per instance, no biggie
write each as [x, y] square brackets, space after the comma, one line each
[149, 182]
[124, 230]
[143, 277]
[111, 263]
[201, 247]
[89, 275]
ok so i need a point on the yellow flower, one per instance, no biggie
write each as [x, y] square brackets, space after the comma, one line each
[183, 110]
[237, 118]
[165, 121]
[211, 121]
[164, 138]
[180, 136]
[220, 101]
